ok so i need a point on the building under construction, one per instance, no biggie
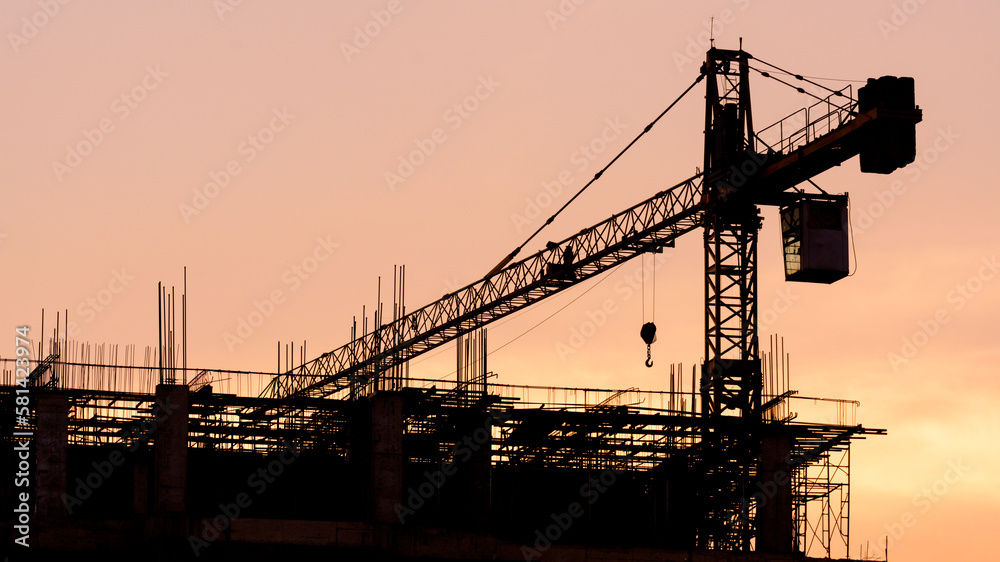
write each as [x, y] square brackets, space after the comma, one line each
[346, 455]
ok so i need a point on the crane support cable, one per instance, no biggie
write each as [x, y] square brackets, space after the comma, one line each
[824, 78]
[804, 78]
[798, 89]
[801, 90]
[503, 263]
[766, 74]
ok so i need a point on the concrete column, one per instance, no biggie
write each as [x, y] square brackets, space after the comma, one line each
[140, 490]
[52, 411]
[170, 442]
[386, 457]
[774, 507]
[474, 474]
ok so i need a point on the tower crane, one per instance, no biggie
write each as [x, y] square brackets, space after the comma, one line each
[743, 169]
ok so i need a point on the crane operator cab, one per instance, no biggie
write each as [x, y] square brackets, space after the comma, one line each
[814, 236]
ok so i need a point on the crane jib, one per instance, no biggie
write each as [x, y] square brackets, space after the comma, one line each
[650, 225]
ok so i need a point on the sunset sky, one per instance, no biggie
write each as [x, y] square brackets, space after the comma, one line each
[269, 147]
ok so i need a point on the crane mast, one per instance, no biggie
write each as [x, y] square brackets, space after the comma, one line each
[731, 372]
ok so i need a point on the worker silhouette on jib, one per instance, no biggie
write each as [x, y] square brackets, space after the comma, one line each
[562, 270]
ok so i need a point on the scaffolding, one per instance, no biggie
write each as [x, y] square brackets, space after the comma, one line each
[639, 434]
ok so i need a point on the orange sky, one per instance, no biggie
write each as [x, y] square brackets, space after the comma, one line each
[119, 114]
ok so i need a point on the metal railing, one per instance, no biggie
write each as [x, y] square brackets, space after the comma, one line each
[807, 124]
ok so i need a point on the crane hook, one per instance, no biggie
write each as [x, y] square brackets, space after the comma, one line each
[648, 334]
